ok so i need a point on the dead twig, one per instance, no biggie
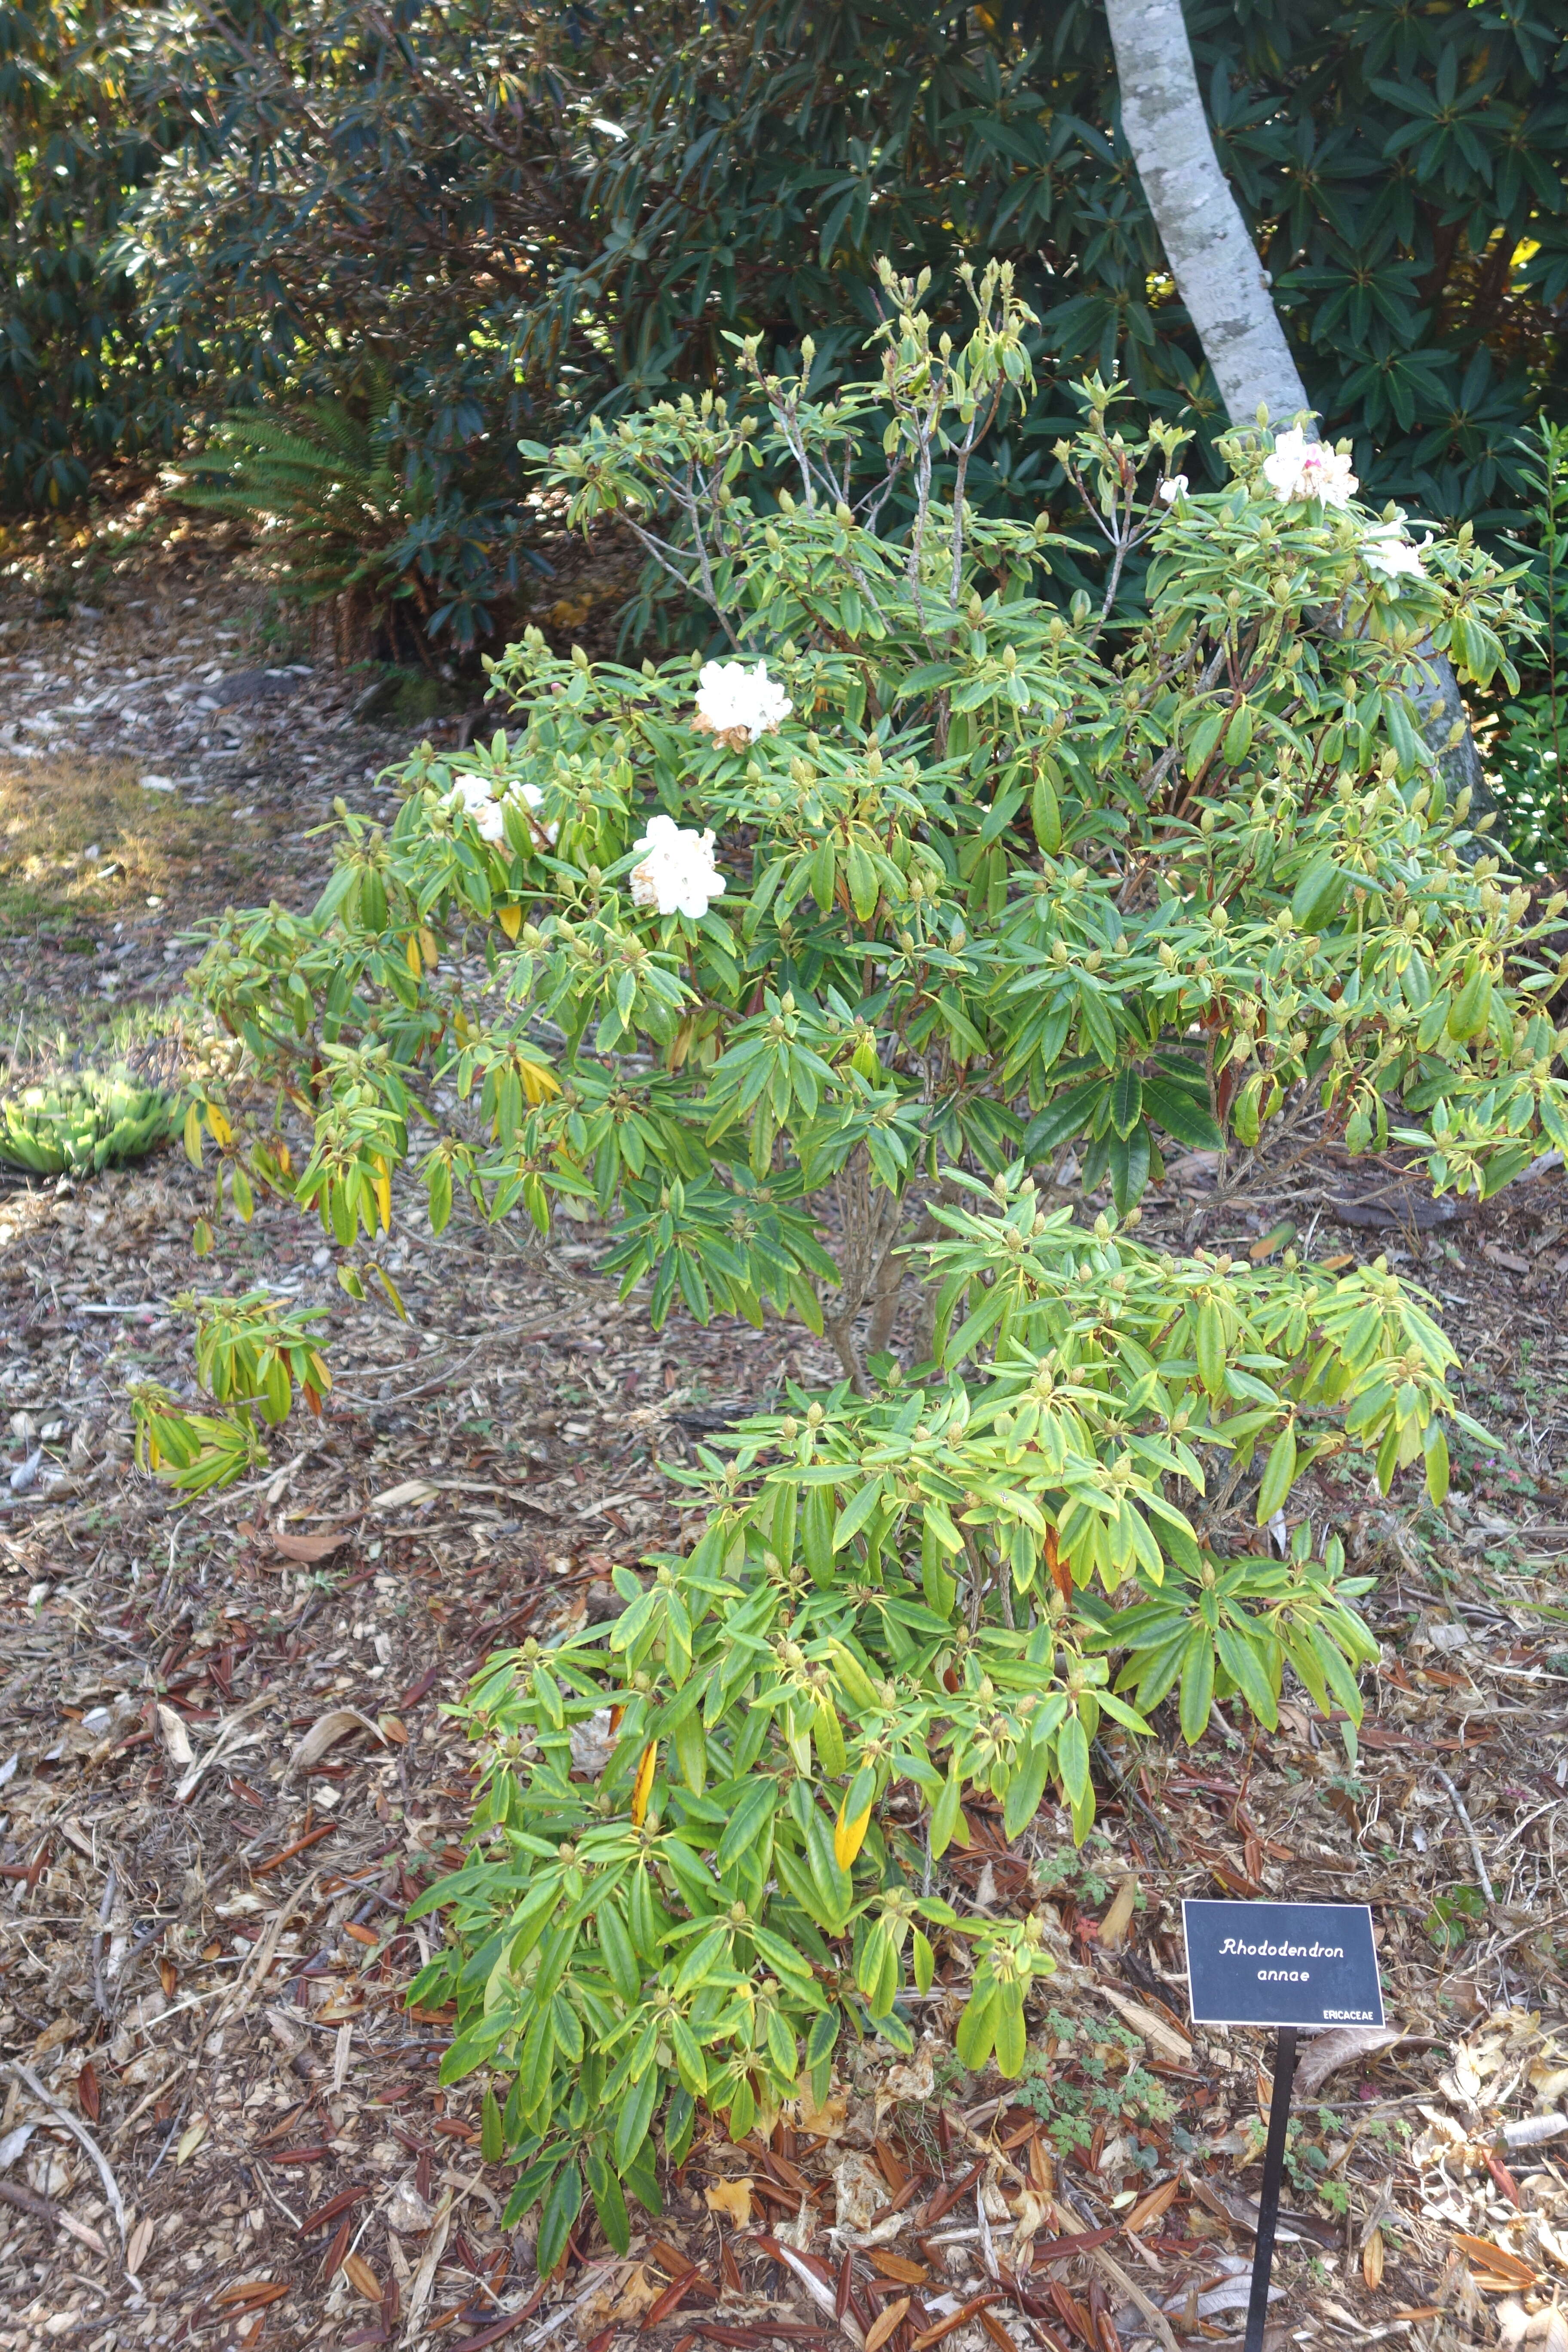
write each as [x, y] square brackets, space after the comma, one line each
[30, 2081]
[1470, 1829]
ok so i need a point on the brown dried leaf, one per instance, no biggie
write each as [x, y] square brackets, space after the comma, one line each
[253, 2291]
[1494, 2263]
[308, 1549]
[1113, 1928]
[1372, 2262]
[898, 2266]
[1149, 2209]
[362, 2278]
[86, 2092]
[883, 2326]
[335, 1725]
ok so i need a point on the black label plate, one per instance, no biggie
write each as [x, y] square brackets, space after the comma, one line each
[1312, 1964]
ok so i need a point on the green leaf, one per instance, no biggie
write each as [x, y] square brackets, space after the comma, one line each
[560, 2208]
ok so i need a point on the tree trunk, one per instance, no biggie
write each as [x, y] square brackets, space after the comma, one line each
[1226, 288]
[1222, 283]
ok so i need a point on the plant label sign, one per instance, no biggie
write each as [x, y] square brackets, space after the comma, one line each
[1290, 1964]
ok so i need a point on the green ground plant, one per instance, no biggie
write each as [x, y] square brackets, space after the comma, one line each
[810, 968]
[83, 1121]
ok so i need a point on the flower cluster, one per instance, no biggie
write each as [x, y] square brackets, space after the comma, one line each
[1299, 468]
[475, 795]
[739, 705]
[676, 872]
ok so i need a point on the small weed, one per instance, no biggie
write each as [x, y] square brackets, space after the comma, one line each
[1449, 1921]
[1088, 2074]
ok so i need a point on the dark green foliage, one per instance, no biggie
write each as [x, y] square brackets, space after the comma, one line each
[1394, 164]
[502, 211]
[77, 384]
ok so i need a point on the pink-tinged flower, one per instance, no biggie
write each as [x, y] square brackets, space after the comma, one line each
[676, 874]
[1299, 468]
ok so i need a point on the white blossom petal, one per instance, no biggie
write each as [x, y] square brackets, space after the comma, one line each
[733, 700]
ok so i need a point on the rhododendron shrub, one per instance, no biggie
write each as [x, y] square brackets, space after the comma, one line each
[864, 972]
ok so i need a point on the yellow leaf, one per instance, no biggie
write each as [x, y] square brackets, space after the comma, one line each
[642, 1787]
[191, 2139]
[848, 1837]
[411, 953]
[511, 921]
[193, 1134]
[429, 946]
[538, 1080]
[383, 1193]
[218, 1127]
[732, 2198]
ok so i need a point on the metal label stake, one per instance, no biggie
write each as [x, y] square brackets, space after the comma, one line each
[1293, 1966]
[1273, 2173]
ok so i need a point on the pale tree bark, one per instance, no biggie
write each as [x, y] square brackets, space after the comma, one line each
[1221, 281]
[1225, 287]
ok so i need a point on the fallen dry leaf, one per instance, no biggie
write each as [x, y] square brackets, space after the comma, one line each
[1149, 2209]
[362, 2278]
[191, 2139]
[254, 2292]
[860, 2192]
[1372, 2262]
[1326, 2052]
[413, 1490]
[1119, 1919]
[394, 1730]
[308, 1549]
[86, 2092]
[176, 1738]
[899, 2267]
[137, 2245]
[827, 2121]
[1492, 2265]
[733, 2198]
[335, 1725]
[1156, 2030]
[883, 2325]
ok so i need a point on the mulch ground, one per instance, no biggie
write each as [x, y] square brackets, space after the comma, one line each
[224, 1771]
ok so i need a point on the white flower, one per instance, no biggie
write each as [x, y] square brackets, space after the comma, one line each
[470, 794]
[1386, 551]
[1299, 468]
[732, 701]
[1177, 488]
[532, 799]
[677, 873]
[475, 795]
